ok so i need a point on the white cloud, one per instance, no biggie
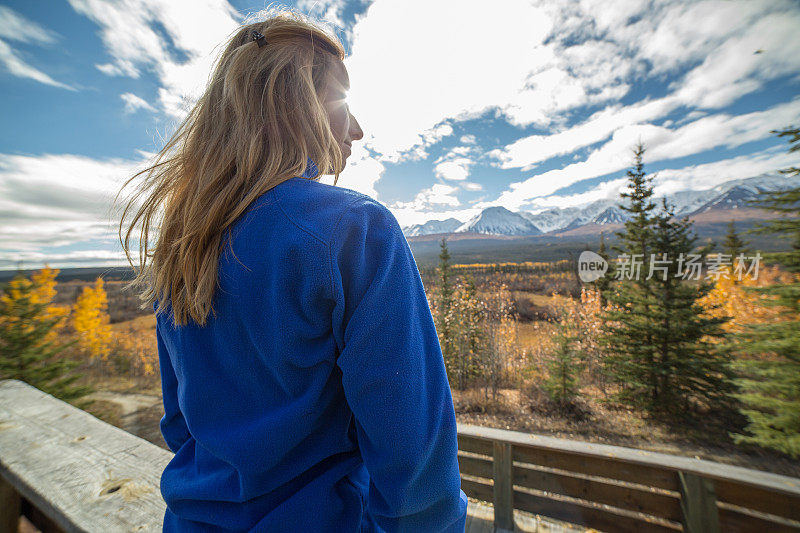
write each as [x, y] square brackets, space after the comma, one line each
[122, 67]
[661, 143]
[734, 69]
[361, 173]
[693, 177]
[528, 151]
[456, 164]
[605, 191]
[707, 175]
[667, 181]
[128, 31]
[715, 41]
[78, 258]
[456, 169]
[687, 32]
[15, 27]
[133, 103]
[437, 194]
[330, 11]
[724, 130]
[57, 200]
[402, 88]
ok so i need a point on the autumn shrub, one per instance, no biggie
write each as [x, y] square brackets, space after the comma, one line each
[30, 349]
[92, 323]
[132, 354]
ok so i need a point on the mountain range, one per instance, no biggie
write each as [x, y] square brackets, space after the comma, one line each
[734, 194]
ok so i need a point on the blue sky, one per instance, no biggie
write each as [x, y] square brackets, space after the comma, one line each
[527, 105]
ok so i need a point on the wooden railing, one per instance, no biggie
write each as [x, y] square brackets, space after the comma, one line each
[68, 471]
[612, 488]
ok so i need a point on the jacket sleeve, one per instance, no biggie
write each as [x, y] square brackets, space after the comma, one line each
[393, 375]
[173, 426]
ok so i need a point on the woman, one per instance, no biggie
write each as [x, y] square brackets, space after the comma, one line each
[303, 383]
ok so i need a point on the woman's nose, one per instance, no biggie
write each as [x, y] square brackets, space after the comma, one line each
[355, 129]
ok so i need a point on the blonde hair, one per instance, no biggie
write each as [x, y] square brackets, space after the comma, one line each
[257, 123]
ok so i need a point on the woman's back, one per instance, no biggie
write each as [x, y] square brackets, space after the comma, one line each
[315, 397]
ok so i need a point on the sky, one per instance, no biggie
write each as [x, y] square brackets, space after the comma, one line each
[524, 104]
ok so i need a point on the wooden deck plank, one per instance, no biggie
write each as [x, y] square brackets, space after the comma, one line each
[480, 519]
[120, 492]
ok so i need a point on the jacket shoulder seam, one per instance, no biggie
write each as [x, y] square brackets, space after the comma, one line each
[293, 221]
[333, 238]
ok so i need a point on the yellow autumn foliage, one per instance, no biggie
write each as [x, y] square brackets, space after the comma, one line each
[42, 287]
[91, 321]
[583, 318]
[730, 298]
[521, 266]
[133, 346]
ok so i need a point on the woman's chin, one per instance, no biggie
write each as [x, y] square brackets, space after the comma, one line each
[345, 155]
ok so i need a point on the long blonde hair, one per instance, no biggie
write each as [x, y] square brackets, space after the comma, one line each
[258, 122]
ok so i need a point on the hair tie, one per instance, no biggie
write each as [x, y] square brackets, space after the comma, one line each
[260, 39]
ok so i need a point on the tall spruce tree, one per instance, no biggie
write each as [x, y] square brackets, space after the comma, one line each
[637, 236]
[657, 337]
[470, 336]
[690, 352]
[733, 245]
[627, 336]
[564, 368]
[604, 284]
[771, 376]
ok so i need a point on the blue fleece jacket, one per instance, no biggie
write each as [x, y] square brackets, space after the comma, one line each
[315, 398]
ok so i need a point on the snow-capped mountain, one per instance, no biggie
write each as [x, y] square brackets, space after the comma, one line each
[686, 202]
[737, 193]
[433, 226]
[553, 218]
[499, 221]
[612, 215]
[733, 194]
[730, 199]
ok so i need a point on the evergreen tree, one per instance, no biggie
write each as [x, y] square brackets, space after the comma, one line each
[27, 350]
[733, 245]
[636, 237]
[445, 313]
[771, 382]
[627, 335]
[470, 336]
[693, 363]
[604, 284]
[563, 370]
[657, 336]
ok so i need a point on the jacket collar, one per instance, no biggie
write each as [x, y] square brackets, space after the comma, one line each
[311, 170]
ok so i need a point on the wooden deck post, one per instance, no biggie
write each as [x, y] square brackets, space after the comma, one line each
[503, 487]
[698, 504]
[10, 507]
